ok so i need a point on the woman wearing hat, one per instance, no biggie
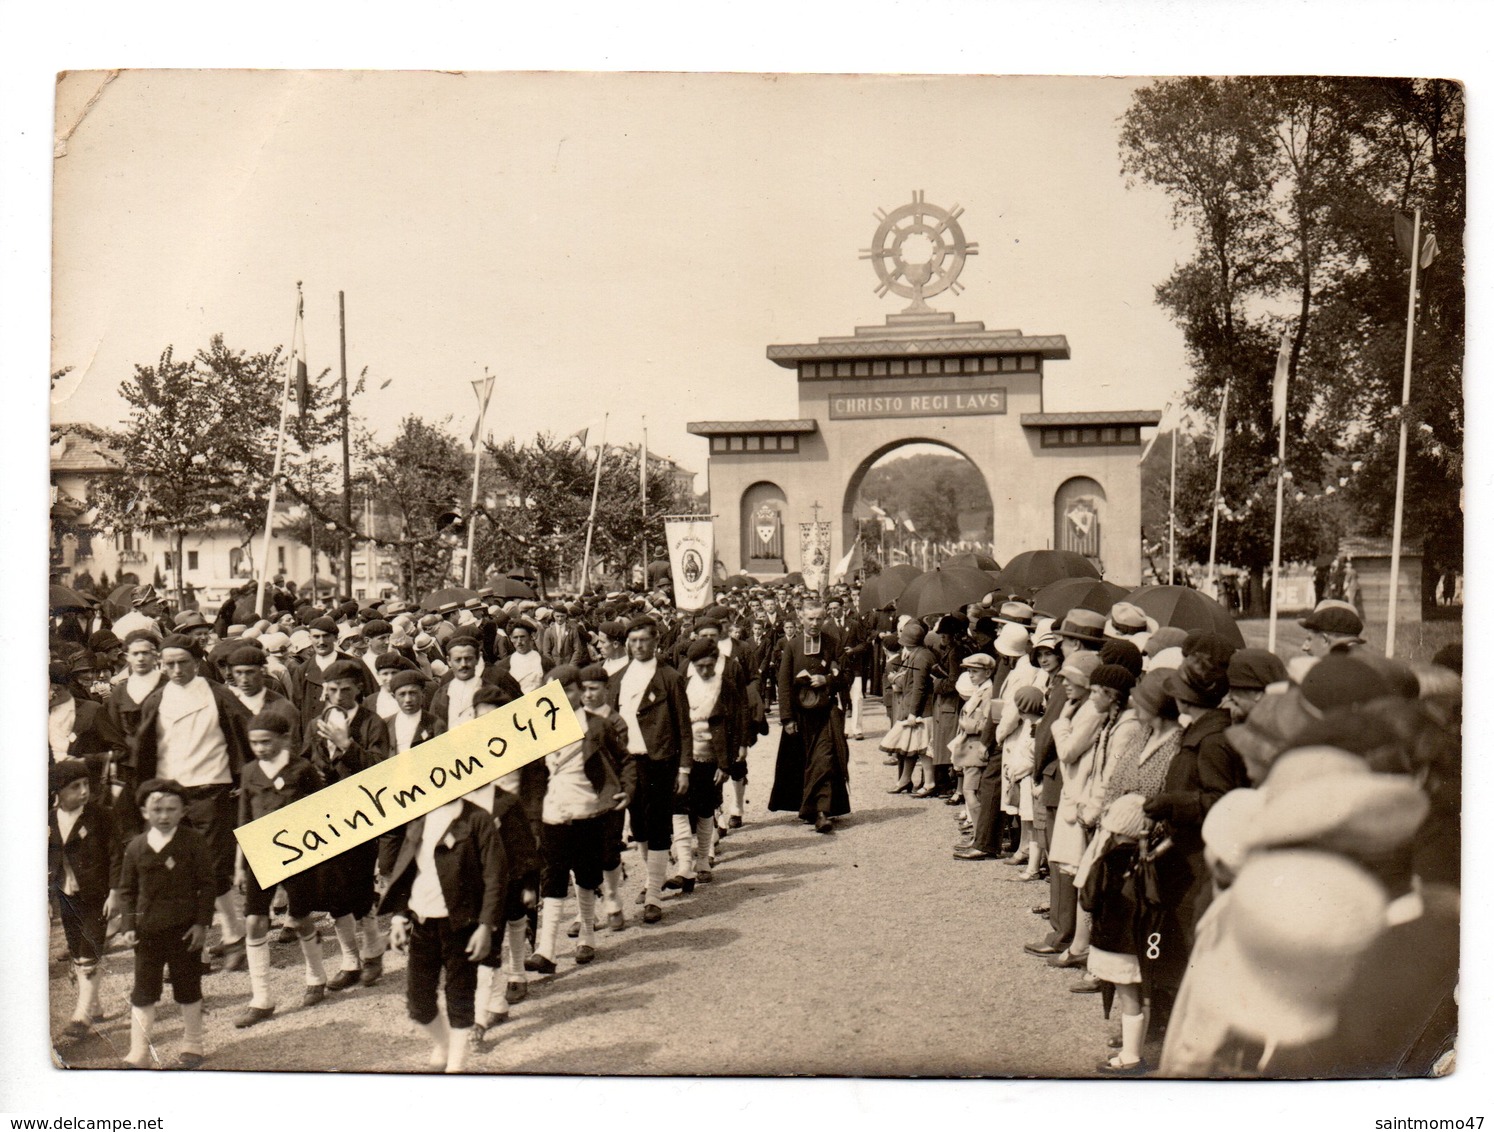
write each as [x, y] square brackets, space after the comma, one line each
[909, 681]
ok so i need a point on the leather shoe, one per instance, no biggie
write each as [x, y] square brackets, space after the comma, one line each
[905, 788]
[925, 792]
[252, 1015]
[344, 979]
[735, 822]
[1039, 909]
[1041, 949]
[313, 995]
[516, 991]
[189, 1060]
[373, 971]
[615, 921]
[1087, 985]
[652, 913]
[822, 824]
[585, 954]
[1114, 1068]
[971, 853]
[538, 962]
[704, 876]
[1069, 961]
[685, 885]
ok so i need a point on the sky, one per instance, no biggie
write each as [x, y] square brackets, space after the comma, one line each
[624, 244]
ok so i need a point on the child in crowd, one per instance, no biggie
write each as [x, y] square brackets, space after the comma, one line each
[166, 898]
[275, 778]
[596, 701]
[1017, 764]
[82, 874]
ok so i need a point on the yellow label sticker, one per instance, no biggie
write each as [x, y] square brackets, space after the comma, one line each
[403, 787]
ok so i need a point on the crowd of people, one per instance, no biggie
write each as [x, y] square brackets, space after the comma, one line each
[167, 732]
[1257, 859]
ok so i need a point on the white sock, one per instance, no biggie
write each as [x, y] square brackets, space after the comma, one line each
[311, 951]
[347, 939]
[88, 990]
[684, 846]
[192, 1027]
[233, 923]
[374, 941]
[705, 841]
[658, 870]
[738, 798]
[1133, 1034]
[456, 1051]
[551, 909]
[611, 884]
[440, 1043]
[142, 1018]
[258, 953]
[517, 950]
[586, 900]
[484, 990]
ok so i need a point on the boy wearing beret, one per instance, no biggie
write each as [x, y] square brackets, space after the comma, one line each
[83, 862]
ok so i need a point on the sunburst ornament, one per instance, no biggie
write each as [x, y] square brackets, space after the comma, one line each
[918, 251]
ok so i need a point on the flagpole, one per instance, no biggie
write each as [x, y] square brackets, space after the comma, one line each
[482, 412]
[1218, 484]
[596, 487]
[290, 364]
[1281, 453]
[643, 499]
[1172, 510]
[1400, 461]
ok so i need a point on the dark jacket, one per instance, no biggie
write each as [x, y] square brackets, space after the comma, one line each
[259, 796]
[369, 745]
[827, 663]
[663, 714]
[309, 679]
[170, 891]
[470, 864]
[915, 701]
[232, 720]
[494, 675]
[92, 852]
[96, 740]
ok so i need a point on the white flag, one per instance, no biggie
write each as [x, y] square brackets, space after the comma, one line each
[1218, 445]
[692, 550]
[1279, 385]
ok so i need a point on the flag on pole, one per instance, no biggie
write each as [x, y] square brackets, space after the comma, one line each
[848, 564]
[303, 388]
[691, 548]
[1218, 446]
[580, 435]
[1162, 426]
[483, 387]
[1279, 385]
[643, 468]
[1404, 226]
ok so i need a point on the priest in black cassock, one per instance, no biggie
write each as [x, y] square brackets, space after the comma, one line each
[812, 771]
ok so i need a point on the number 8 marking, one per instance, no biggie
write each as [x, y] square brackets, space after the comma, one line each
[1154, 946]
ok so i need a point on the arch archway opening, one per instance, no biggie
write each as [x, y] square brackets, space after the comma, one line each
[917, 500]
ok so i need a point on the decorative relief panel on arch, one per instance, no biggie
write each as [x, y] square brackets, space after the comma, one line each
[763, 505]
[1078, 514]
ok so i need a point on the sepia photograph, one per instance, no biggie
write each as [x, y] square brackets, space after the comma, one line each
[588, 575]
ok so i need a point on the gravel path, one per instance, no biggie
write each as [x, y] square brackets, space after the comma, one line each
[867, 952]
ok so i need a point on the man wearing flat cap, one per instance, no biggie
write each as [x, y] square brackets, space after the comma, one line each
[1332, 626]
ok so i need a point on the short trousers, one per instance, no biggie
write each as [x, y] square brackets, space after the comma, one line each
[83, 924]
[301, 890]
[573, 848]
[154, 953]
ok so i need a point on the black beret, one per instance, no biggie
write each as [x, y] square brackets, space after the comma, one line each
[404, 678]
[102, 640]
[639, 624]
[323, 625]
[377, 629]
[593, 674]
[705, 623]
[390, 659]
[344, 670]
[64, 773]
[246, 655]
[567, 674]
[492, 694]
[270, 721]
[614, 630]
[183, 642]
[142, 635]
[703, 649]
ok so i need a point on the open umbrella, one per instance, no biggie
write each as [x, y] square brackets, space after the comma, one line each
[975, 560]
[1031, 570]
[120, 601]
[943, 590]
[794, 579]
[510, 587]
[1187, 609]
[1057, 598]
[64, 597]
[452, 595]
[739, 582]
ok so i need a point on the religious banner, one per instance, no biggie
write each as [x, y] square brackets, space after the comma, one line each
[691, 552]
[814, 554]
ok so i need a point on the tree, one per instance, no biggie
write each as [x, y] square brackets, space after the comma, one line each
[195, 446]
[417, 477]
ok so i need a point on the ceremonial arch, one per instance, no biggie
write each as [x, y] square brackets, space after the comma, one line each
[1066, 480]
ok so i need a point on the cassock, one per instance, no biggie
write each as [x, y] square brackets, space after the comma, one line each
[813, 768]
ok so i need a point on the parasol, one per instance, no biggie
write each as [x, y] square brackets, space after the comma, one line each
[1187, 609]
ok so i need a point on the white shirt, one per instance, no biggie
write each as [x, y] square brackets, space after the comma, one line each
[459, 695]
[138, 687]
[271, 767]
[405, 726]
[426, 897]
[61, 720]
[615, 664]
[192, 748]
[254, 703]
[569, 794]
[325, 662]
[528, 668]
[630, 695]
[158, 840]
[386, 707]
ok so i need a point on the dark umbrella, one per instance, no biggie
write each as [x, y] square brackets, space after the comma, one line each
[739, 582]
[975, 560]
[881, 591]
[63, 597]
[1057, 598]
[452, 595]
[1187, 609]
[1031, 570]
[510, 587]
[120, 601]
[794, 579]
[943, 590]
